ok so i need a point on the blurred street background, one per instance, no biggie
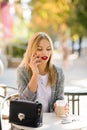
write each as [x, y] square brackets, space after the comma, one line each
[75, 74]
[65, 21]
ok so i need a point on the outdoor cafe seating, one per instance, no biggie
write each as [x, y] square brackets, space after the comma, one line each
[6, 94]
[48, 118]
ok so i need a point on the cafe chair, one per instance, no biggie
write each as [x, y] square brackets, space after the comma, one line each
[4, 105]
[5, 88]
[1, 98]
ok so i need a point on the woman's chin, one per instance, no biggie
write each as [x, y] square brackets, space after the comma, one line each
[43, 63]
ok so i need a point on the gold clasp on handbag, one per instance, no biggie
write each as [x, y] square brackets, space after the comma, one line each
[21, 116]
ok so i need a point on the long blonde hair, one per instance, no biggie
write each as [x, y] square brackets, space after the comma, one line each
[32, 48]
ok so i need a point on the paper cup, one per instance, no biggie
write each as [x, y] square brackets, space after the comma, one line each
[60, 107]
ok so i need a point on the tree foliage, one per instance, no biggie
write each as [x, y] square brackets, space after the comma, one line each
[78, 17]
[51, 15]
[48, 15]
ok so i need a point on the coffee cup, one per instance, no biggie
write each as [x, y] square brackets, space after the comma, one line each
[60, 107]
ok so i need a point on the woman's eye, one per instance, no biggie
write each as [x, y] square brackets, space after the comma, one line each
[39, 49]
[48, 49]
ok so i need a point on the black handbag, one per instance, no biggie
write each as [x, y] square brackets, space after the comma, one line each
[26, 113]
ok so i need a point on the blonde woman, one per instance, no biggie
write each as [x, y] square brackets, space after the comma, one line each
[37, 77]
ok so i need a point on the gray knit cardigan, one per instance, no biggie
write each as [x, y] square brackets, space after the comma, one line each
[57, 90]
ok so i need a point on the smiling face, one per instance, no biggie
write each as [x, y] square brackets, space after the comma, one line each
[44, 51]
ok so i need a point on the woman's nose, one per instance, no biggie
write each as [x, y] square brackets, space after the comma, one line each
[44, 51]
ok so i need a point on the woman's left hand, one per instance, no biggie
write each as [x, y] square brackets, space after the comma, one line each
[66, 109]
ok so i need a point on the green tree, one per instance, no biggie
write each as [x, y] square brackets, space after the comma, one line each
[48, 15]
[77, 19]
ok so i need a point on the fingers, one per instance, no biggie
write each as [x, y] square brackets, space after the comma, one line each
[66, 109]
[35, 59]
[34, 62]
[54, 105]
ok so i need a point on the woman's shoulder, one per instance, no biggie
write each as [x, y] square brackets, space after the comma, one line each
[21, 69]
[58, 69]
[59, 72]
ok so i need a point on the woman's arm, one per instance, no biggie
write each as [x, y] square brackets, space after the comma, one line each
[22, 83]
[59, 92]
[58, 88]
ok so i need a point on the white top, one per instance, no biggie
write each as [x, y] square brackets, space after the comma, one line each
[43, 92]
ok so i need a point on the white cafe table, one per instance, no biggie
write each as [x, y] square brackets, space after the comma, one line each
[52, 122]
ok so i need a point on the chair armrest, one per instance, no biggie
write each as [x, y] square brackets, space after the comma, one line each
[0, 112]
[2, 96]
[5, 87]
[11, 97]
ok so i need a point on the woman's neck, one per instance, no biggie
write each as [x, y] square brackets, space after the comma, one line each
[42, 70]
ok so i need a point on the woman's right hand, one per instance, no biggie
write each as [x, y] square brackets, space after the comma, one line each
[34, 62]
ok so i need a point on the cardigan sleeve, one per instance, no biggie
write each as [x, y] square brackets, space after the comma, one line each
[22, 83]
[57, 89]
[60, 85]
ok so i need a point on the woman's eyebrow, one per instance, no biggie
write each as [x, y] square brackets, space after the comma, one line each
[42, 46]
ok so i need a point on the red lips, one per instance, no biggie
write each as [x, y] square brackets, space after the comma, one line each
[44, 57]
